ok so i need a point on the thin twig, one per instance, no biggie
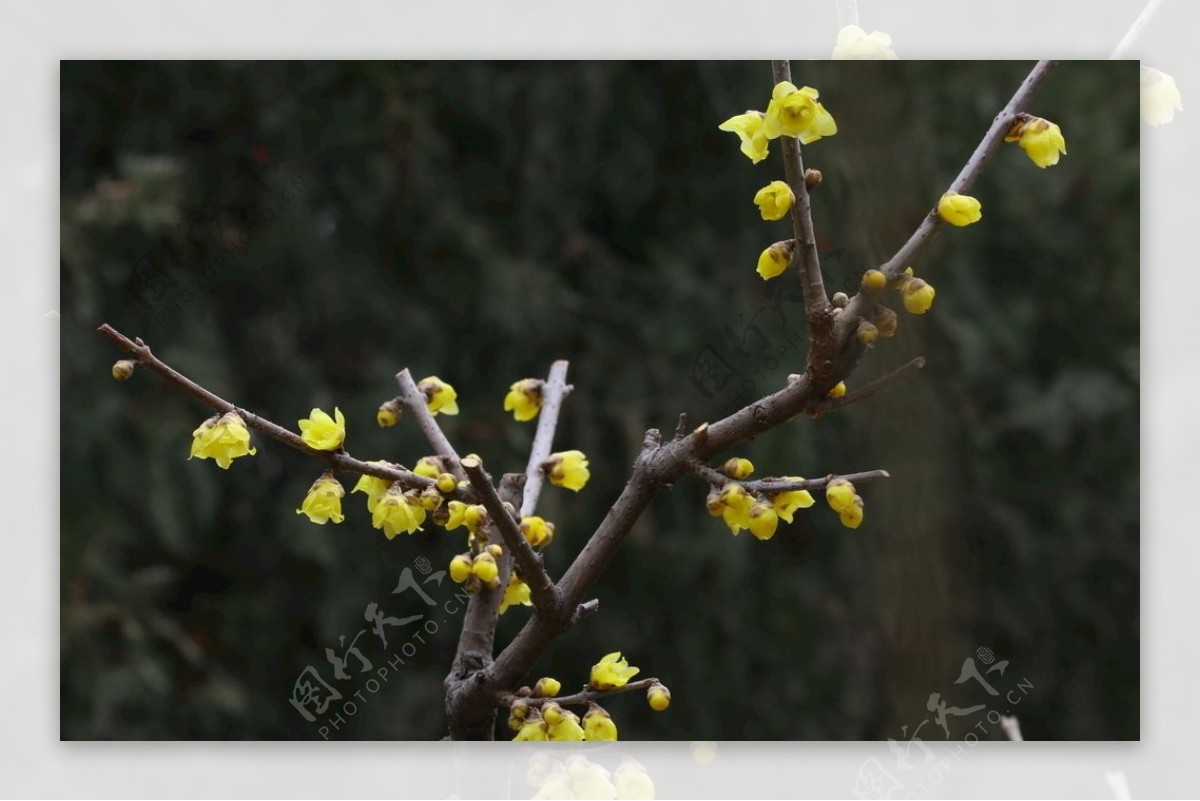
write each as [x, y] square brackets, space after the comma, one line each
[581, 698]
[554, 390]
[761, 485]
[1135, 30]
[544, 594]
[1012, 727]
[816, 302]
[415, 401]
[338, 460]
[869, 389]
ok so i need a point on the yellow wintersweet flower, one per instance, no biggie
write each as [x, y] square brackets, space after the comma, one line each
[322, 432]
[533, 730]
[1041, 140]
[567, 469]
[838, 391]
[524, 399]
[1160, 97]
[855, 44]
[735, 507]
[515, 594]
[852, 515]
[918, 296]
[460, 568]
[738, 467]
[612, 671]
[774, 200]
[840, 494]
[773, 261]
[388, 413]
[395, 512]
[796, 112]
[786, 503]
[598, 725]
[537, 531]
[547, 687]
[567, 729]
[428, 466]
[658, 696]
[959, 209]
[222, 439]
[485, 569]
[324, 501]
[750, 129]
[763, 520]
[372, 486]
[440, 397]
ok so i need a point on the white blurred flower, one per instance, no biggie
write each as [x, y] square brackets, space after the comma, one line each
[1160, 97]
[853, 43]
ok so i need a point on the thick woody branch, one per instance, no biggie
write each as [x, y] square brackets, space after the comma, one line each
[554, 390]
[414, 400]
[719, 479]
[816, 302]
[337, 460]
[529, 564]
[582, 698]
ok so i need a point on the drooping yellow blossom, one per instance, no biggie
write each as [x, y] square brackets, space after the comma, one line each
[322, 432]
[537, 531]
[457, 515]
[323, 501]
[567, 729]
[372, 486]
[773, 261]
[568, 469]
[786, 503]
[751, 131]
[736, 505]
[547, 687]
[632, 781]
[840, 495]
[738, 467]
[552, 713]
[852, 515]
[428, 466]
[395, 512]
[486, 570]
[774, 200]
[658, 696]
[524, 399]
[598, 725]
[838, 391]
[123, 370]
[533, 730]
[959, 209]
[1041, 140]
[763, 520]
[796, 112]
[440, 397]
[612, 671]
[1160, 97]
[918, 296]
[855, 44]
[222, 439]
[446, 483]
[388, 413]
[515, 594]
[460, 568]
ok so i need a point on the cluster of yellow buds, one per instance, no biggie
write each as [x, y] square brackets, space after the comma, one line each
[567, 469]
[524, 399]
[759, 513]
[477, 570]
[471, 516]
[842, 498]
[222, 438]
[1041, 139]
[324, 500]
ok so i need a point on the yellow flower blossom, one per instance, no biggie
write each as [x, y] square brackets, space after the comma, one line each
[612, 671]
[567, 729]
[736, 505]
[751, 131]
[547, 687]
[534, 730]
[388, 413]
[123, 370]
[918, 296]
[796, 112]
[838, 391]
[537, 531]
[786, 503]
[840, 495]
[959, 209]
[222, 439]
[460, 568]
[515, 594]
[428, 466]
[658, 696]
[852, 515]
[446, 483]
[763, 521]
[322, 432]
[774, 200]
[853, 43]
[738, 467]
[773, 261]
[324, 501]
[1041, 140]
[524, 399]
[874, 281]
[568, 469]
[372, 486]
[486, 570]
[1160, 97]
[395, 512]
[440, 397]
[598, 725]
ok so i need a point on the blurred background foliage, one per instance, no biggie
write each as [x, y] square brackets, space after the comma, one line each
[292, 234]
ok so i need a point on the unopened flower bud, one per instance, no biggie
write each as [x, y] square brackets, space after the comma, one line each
[886, 321]
[547, 687]
[866, 333]
[839, 300]
[739, 468]
[812, 179]
[495, 550]
[874, 281]
[446, 483]
[388, 414]
[123, 369]
[838, 391]
[658, 696]
[460, 568]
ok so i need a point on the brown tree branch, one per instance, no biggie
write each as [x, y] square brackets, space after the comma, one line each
[415, 401]
[338, 460]
[554, 390]
[719, 479]
[542, 590]
[581, 698]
